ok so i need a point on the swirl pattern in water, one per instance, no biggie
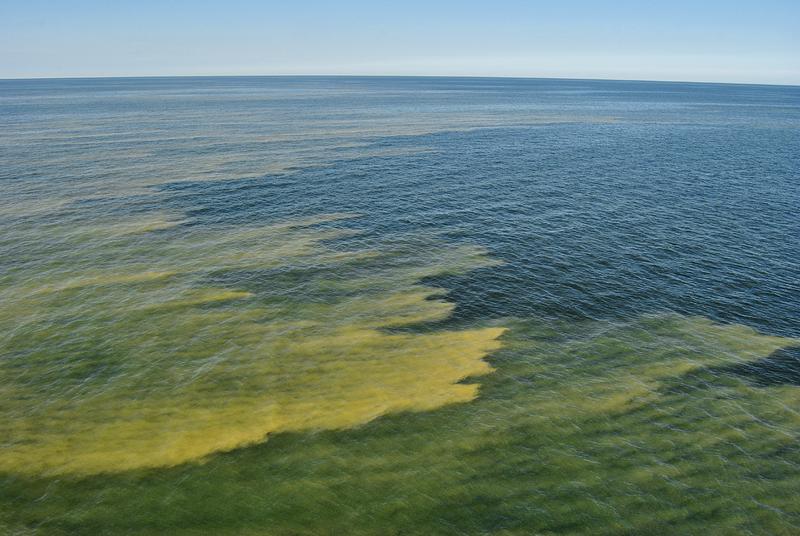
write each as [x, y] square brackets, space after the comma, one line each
[411, 306]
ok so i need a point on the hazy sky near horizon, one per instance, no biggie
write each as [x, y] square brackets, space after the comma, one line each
[714, 40]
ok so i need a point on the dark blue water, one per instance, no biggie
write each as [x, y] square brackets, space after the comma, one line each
[680, 197]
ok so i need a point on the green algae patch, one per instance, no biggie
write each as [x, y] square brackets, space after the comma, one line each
[197, 341]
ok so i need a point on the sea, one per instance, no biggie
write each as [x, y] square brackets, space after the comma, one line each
[398, 306]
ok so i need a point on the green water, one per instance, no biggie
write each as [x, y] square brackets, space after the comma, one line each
[579, 424]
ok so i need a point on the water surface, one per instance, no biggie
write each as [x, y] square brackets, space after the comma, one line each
[398, 305]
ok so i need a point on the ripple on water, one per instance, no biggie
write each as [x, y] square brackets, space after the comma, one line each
[144, 364]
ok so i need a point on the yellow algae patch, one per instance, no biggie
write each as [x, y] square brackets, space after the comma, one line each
[131, 226]
[156, 225]
[615, 368]
[106, 279]
[382, 374]
[214, 338]
[205, 296]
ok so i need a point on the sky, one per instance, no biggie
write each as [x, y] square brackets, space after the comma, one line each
[716, 41]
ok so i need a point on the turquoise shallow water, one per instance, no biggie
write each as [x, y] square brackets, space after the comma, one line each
[398, 306]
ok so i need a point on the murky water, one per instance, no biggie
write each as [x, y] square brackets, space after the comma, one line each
[398, 306]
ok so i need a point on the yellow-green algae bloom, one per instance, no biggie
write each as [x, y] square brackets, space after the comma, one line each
[594, 427]
[134, 349]
[134, 344]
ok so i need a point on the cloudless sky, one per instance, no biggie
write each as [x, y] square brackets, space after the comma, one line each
[712, 40]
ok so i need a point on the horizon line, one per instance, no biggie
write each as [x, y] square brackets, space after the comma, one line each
[341, 75]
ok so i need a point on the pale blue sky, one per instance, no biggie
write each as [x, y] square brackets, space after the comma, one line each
[728, 41]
